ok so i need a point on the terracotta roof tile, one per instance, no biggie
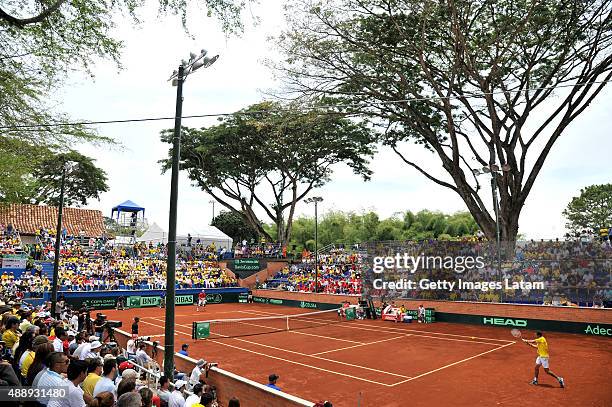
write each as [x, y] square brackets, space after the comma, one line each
[30, 218]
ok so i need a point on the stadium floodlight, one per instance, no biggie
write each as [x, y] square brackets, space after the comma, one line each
[67, 167]
[316, 200]
[178, 78]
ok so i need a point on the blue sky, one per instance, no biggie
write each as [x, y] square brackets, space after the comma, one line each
[152, 51]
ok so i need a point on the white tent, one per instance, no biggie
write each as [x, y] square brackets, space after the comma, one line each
[154, 234]
[207, 235]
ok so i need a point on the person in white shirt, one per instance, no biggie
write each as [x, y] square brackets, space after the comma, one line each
[107, 381]
[195, 397]
[60, 337]
[74, 322]
[52, 377]
[197, 371]
[77, 371]
[85, 345]
[92, 351]
[130, 348]
[142, 357]
[176, 397]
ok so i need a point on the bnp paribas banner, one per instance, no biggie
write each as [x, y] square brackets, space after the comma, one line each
[140, 302]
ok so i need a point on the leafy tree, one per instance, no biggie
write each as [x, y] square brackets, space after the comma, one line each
[476, 83]
[270, 150]
[234, 225]
[32, 174]
[591, 210]
[42, 41]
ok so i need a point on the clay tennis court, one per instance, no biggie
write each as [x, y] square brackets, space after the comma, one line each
[381, 363]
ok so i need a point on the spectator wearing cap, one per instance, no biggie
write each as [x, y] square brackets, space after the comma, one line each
[107, 381]
[184, 350]
[123, 366]
[176, 398]
[272, 381]
[94, 370]
[197, 372]
[85, 346]
[77, 371]
[194, 398]
[10, 335]
[92, 351]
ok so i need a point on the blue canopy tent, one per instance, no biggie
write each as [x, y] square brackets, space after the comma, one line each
[127, 206]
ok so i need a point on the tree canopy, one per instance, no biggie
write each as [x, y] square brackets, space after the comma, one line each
[348, 228]
[591, 210]
[233, 225]
[268, 157]
[32, 174]
[42, 41]
[477, 83]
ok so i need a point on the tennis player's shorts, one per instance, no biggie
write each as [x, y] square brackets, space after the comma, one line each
[202, 302]
[542, 361]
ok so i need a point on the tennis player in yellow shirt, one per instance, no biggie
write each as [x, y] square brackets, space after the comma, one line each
[542, 360]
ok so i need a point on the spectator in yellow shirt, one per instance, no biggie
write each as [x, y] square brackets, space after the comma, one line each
[94, 370]
[10, 336]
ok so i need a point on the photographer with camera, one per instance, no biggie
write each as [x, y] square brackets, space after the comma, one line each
[99, 323]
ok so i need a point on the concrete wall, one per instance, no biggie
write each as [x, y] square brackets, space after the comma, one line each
[228, 384]
[576, 314]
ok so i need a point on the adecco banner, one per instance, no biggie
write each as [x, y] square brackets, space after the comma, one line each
[294, 303]
[585, 328]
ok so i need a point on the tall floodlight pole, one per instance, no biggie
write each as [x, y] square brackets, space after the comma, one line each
[178, 78]
[58, 242]
[494, 170]
[316, 200]
[213, 209]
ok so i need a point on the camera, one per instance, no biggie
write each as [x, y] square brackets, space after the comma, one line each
[114, 324]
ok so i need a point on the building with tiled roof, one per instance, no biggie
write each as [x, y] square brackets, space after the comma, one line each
[28, 219]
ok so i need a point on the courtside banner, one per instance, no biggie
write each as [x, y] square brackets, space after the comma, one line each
[584, 328]
[322, 306]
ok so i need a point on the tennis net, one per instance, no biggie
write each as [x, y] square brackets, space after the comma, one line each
[232, 328]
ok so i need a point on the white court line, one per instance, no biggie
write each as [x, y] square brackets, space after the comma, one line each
[356, 346]
[291, 361]
[304, 333]
[304, 354]
[452, 364]
[389, 329]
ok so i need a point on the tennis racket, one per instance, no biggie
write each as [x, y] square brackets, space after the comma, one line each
[516, 333]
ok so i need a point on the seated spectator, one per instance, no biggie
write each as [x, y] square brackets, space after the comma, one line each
[176, 398]
[142, 358]
[11, 335]
[77, 371]
[194, 398]
[164, 392]
[130, 399]
[57, 364]
[127, 385]
[94, 370]
[104, 399]
[147, 396]
[39, 364]
[107, 381]
[272, 382]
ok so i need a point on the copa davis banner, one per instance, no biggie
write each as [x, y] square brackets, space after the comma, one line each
[584, 328]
